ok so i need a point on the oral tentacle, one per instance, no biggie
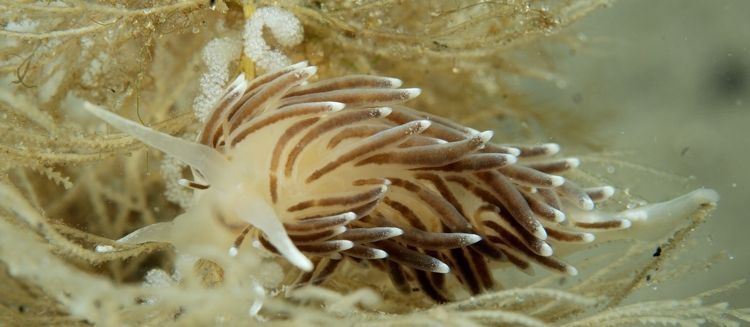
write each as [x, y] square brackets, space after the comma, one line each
[203, 158]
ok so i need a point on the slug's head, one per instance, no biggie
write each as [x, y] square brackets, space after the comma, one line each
[232, 196]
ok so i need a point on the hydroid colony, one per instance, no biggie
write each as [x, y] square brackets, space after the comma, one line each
[61, 213]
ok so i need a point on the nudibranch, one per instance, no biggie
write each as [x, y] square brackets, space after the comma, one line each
[338, 169]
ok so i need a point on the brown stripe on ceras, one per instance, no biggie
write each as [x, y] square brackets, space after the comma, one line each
[445, 211]
[449, 124]
[512, 255]
[481, 270]
[441, 131]
[266, 244]
[335, 121]
[213, 129]
[354, 132]
[444, 191]
[474, 188]
[272, 75]
[433, 241]
[317, 224]
[398, 278]
[484, 247]
[287, 136]
[487, 249]
[512, 241]
[527, 176]
[355, 97]
[530, 241]
[552, 167]
[425, 283]
[366, 208]
[465, 271]
[408, 257]
[400, 116]
[304, 277]
[256, 83]
[598, 194]
[610, 224]
[575, 194]
[268, 92]
[316, 237]
[426, 240]
[240, 238]
[323, 248]
[512, 200]
[473, 162]
[303, 109]
[427, 155]
[329, 267]
[540, 208]
[197, 186]
[379, 264]
[345, 200]
[371, 144]
[564, 236]
[371, 181]
[526, 240]
[553, 263]
[550, 197]
[362, 252]
[529, 151]
[496, 148]
[489, 200]
[367, 235]
[344, 82]
[405, 212]
[419, 140]
[359, 212]
[438, 279]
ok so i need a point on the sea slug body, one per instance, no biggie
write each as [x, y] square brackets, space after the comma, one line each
[339, 169]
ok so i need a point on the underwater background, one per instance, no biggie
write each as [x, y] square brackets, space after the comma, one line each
[673, 78]
[651, 95]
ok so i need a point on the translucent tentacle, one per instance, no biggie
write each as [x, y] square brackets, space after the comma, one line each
[261, 216]
[201, 157]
